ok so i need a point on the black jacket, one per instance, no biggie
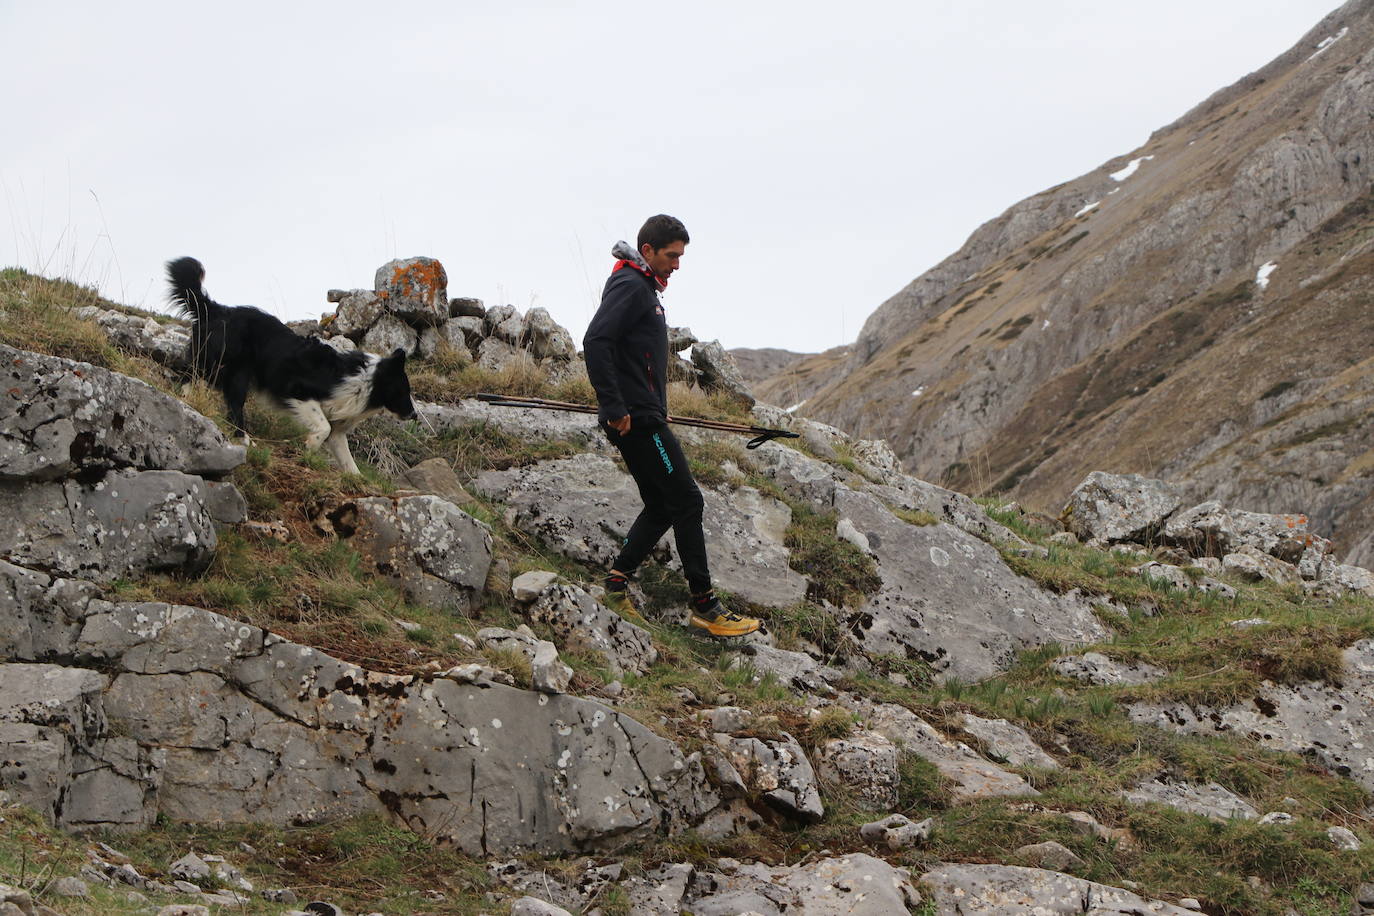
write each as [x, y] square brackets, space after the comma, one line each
[626, 348]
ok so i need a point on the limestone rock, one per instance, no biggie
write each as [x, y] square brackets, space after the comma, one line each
[119, 525]
[206, 710]
[435, 477]
[1253, 564]
[415, 290]
[460, 307]
[472, 328]
[1096, 668]
[56, 753]
[545, 338]
[680, 339]
[189, 867]
[71, 887]
[1051, 855]
[1210, 529]
[533, 906]
[448, 336]
[496, 316]
[578, 431]
[1323, 721]
[852, 885]
[1344, 839]
[1178, 578]
[971, 775]
[719, 372]
[436, 551]
[800, 476]
[1007, 889]
[60, 417]
[1210, 800]
[388, 334]
[357, 312]
[779, 771]
[163, 343]
[948, 598]
[1120, 507]
[865, 763]
[580, 621]
[897, 832]
[495, 354]
[528, 586]
[1007, 742]
[795, 669]
[548, 672]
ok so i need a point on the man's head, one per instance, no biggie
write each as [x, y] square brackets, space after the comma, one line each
[662, 241]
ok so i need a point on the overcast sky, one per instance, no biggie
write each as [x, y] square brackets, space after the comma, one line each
[821, 155]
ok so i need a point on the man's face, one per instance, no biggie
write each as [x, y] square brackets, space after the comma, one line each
[663, 261]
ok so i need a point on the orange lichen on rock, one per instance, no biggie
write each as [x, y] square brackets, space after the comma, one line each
[419, 278]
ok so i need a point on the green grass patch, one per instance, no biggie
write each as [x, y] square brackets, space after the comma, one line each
[838, 571]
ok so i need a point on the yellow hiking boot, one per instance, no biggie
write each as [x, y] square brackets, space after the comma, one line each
[618, 597]
[714, 619]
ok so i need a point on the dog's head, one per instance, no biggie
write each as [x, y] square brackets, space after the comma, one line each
[391, 385]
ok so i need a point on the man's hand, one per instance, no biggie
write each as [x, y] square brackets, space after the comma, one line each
[621, 426]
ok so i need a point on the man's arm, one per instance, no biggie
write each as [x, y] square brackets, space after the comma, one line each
[618, 312]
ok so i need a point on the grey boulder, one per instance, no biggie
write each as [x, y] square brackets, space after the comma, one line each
[719, 372]
[1120, 507]
[437, 552]
[1007, 890]
[778, 770]
[60, 417]
[580, 621]
[120, 525]
[415, 290]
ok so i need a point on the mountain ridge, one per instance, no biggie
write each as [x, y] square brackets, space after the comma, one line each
[1036, 352]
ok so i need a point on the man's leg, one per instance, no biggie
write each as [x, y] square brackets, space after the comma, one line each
[646, 468]
[672, 498]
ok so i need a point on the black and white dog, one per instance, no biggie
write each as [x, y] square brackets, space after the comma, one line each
[240, 348]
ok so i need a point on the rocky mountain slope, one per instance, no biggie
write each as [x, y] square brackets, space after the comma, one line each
[1194, 309]
[956, 707]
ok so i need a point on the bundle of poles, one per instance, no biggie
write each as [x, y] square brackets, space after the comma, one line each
[761, 434]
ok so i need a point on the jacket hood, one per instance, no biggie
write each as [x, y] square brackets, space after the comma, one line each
[629, 257]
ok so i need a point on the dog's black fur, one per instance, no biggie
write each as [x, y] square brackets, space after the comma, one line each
[241, 348]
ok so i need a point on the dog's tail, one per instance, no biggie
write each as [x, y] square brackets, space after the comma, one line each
[186, 277]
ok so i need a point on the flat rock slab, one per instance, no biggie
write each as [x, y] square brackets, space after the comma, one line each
[854, 885]
[1209, 800]
[1007, 890]
[222, 722]
[583, 506]
[1007, 742]
[973, 776]
[949, 599]
[1096, 668]
[120, 525]
[59, 417]
[576, 429]
[1318, 720]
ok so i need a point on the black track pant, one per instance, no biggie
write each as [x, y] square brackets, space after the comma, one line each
[671, 500]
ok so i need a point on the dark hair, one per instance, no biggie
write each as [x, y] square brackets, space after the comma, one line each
[660, 231]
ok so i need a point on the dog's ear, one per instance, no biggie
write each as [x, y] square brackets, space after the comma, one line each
[399, 354]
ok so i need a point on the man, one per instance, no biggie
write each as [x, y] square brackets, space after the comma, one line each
[626, 348]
